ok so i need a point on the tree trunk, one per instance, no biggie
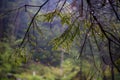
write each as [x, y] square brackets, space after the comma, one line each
[62, 59]
[112, 72]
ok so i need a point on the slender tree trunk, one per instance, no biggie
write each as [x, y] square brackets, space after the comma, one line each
[61, 65]
[2, 7]
[112, 72]
[1, 30]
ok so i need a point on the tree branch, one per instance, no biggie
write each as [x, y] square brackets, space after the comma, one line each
[32, 21]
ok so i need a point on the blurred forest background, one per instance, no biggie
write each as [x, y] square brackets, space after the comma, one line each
[59, 39]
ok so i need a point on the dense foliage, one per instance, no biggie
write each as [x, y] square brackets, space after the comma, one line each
[70, 40]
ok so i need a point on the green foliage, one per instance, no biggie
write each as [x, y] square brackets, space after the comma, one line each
[74, 29]
[48, 72]
[11, 59]
[66, 39]
[65, 19]
[49, 16]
